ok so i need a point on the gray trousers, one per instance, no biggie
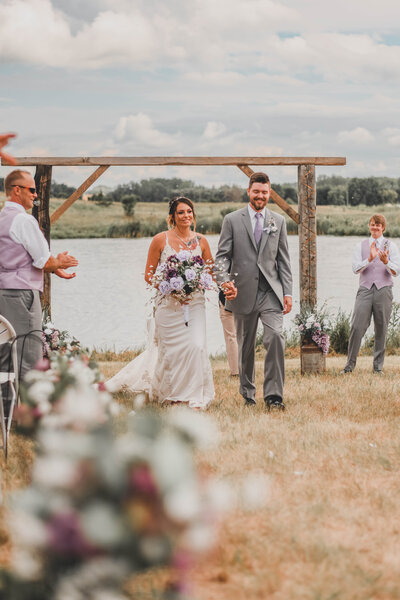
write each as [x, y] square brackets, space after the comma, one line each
[376, 303]
[22, 308]
[269, 310]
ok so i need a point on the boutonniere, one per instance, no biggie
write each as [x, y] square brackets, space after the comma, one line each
[271, 226]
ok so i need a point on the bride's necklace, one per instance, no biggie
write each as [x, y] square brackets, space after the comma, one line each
[187, 243]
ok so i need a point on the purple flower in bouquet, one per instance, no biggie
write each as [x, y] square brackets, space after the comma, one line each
[190, 274]
[142, 481]
[198, 260]
[183, 255]
[176, 283]
[164, 288]
[172, 273]
[66, 537]
[206, 280]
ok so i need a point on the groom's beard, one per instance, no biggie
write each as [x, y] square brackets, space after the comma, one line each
[258, 204]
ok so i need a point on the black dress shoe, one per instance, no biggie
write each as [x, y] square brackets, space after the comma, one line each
[249, 402]
[274, 402]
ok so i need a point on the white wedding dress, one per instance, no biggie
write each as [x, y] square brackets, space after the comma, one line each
[175, 366]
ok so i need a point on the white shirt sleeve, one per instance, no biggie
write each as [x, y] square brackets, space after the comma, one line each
[25, 230]
[394, 259]
[358, 264]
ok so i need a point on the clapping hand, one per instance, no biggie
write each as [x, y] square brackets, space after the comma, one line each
[373, 253]
[6, 158]
[384, 256]
[64, 274]
[65, 260]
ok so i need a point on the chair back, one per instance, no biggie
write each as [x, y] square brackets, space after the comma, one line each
[7, 331]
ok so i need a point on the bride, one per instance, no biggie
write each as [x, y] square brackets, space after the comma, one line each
[175, 367]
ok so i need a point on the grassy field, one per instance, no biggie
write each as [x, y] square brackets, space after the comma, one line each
[330, 529]
[88, 220]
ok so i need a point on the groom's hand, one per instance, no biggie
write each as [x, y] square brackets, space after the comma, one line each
[287, 304]
[229, 290]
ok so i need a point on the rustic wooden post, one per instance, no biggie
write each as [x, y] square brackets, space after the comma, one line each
[307, 235]
[42, 214]
[311, 358]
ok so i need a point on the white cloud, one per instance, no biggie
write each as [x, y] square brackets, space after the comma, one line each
[139, 128]
[359, 135]
[213, 130]
[393, 135]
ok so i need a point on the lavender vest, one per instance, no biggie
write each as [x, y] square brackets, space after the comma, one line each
[16, 269]
[375, 272]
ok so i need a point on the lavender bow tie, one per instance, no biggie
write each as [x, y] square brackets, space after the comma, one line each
[258, 228]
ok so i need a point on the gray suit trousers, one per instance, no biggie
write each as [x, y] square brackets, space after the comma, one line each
[376, 303]
[22, 308]
[269, 309]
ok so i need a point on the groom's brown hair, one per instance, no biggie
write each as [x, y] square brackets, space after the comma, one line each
[258, 177]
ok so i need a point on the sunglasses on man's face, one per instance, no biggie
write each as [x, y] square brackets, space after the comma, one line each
[25, 187]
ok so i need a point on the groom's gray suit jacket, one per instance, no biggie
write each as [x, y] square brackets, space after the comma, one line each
[238, 258]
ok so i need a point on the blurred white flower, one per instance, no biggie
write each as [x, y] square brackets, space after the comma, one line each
[54, 471]
[199, 537]
[198, 427]
[140, 400]
[26, 529]
[183, 503]
[221, 496]
[154, 548]
[41, 390]
[101, 524]
[166, 451]
[255, 491]
[25, 564]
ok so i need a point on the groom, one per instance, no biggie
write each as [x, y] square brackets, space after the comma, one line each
[253, 257]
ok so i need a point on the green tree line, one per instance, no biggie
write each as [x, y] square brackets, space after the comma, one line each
[332, 190]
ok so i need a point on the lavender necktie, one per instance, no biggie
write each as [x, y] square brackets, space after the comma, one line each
[258, 228]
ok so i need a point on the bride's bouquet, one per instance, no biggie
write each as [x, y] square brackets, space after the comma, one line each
[180, 276]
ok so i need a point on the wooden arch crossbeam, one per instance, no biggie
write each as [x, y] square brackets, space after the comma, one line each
[242, 162]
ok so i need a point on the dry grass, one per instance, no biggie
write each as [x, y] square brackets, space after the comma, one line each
[331, 527]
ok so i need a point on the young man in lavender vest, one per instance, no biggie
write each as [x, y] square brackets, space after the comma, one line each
[377, 260]
[24, 256]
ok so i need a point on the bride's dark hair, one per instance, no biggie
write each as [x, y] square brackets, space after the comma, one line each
[173, 205]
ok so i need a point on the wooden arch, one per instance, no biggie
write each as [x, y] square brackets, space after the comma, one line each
[305, 217]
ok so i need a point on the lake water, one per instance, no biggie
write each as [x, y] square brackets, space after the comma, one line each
[107, 303]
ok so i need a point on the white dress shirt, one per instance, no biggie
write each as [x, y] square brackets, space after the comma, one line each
[393, 264]
[25, 230]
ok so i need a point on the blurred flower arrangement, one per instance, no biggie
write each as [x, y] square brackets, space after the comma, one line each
[55, 340]
[65, 391]
[314, 326]
[100, 508]
[179, 276]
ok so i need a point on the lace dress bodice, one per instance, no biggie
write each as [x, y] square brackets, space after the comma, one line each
[168, 250]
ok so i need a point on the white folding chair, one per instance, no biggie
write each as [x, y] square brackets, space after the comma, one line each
[10, 377]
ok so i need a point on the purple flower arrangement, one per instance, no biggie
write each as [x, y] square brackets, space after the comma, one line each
[314, 326]
[55, 340]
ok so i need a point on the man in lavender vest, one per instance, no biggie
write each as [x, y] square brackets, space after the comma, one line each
[24, 255]
[377, 261]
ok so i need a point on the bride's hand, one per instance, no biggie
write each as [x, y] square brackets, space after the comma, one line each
[230, 290]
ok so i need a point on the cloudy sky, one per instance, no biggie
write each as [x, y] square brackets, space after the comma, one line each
[203, 77]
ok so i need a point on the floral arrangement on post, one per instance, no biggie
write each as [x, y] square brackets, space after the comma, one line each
[52, 394]
[180, 276]
[314, 325]
[55, 340]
